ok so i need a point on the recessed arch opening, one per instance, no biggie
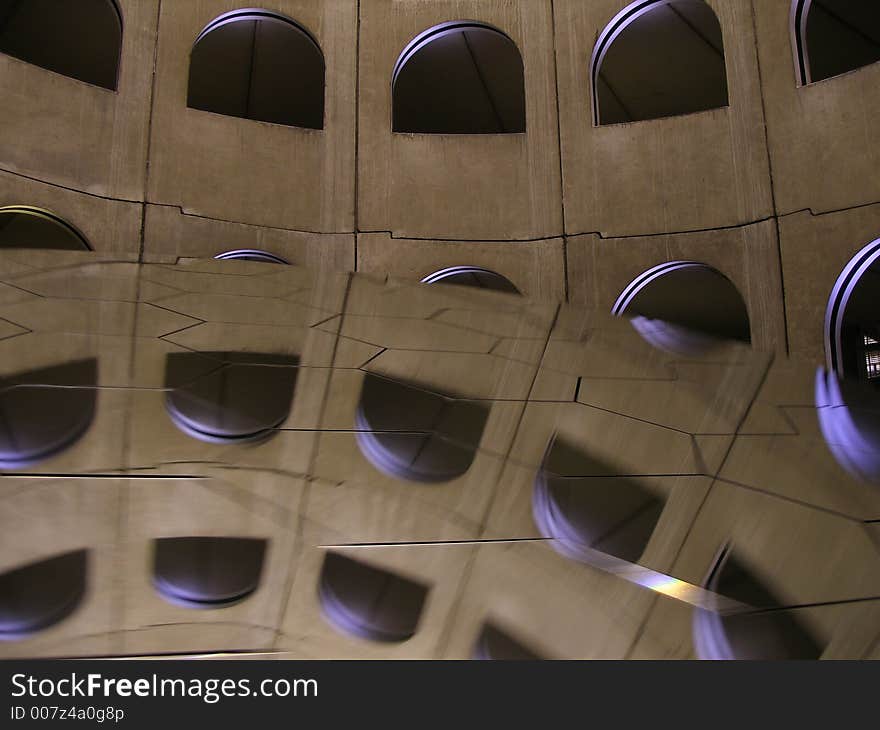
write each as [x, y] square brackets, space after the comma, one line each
[833, 37]
[411, 433]
[472, 276]
[81, 40]
[46, 411]
[25, 226]
[207, 572]
[260, 65]
[459, 77]
[848, 390]
[766, 631]
[41, 594]
[583, 505]
[229, 398]
[658, 58]
[684, 307]
[252, 254]
[369, 602]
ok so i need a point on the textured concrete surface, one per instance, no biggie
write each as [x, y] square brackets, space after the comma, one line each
[727, 444]
[776, 190]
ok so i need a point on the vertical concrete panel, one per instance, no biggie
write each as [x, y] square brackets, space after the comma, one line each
[601, 268]
[815, 248]
[489, 187]
[824, 138]
[703, 170]
[71, 133]
[256, 172]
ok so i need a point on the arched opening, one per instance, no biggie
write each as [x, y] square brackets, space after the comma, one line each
[207, 572]
[411, 433]
[369, 602]
[767, 632]
[472, 276]
[833, 37]
[460, 77]
[226, 397]
[852, 318]
[495, 644]
[23, 226]
[251, 254]
[848, 392]
[658, 58]
[583, 506]
[684, 307]
[41, 594]
[256, 64]
[46, 411]
[81, 39]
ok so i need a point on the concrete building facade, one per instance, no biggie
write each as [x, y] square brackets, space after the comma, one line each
[777, 189]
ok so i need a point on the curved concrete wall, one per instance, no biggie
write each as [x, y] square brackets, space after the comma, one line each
[777, 190]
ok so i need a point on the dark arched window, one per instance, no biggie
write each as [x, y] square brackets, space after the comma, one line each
[80, 39]
[472, 276]
[369, 602]
[493, 643]
[38, 595]
[761, 630]
[831, 37]
[412, 433]
[684, 307]
[44, 412]
[207, 572]
[251, 254]
[848, 392]
[658, 58]
[260, 65]
[459, 77]
[584, 505]
[23, 226]
[229, 397]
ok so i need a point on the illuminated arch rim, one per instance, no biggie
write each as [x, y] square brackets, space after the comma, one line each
[251, 254]
[618, 24]
[646, 278]
[841, 294]
[800, 14]
[800, 18]
[438, 31]
[664, 335]
[234, 16]
[851, 434]
[50, 217]
[192, 427]
[453, 271]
